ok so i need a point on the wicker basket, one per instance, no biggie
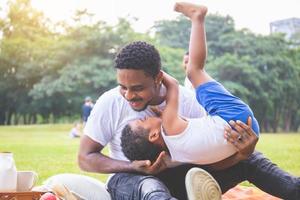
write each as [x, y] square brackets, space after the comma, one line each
[20, 195]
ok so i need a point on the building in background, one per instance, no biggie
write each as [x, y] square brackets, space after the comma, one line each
[290, 27]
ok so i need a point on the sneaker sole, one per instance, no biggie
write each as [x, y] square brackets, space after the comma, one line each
[200, 185]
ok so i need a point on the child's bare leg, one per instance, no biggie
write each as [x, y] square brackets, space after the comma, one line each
[197, 47]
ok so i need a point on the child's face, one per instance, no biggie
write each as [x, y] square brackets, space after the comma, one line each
[148, 123]
[153, 125]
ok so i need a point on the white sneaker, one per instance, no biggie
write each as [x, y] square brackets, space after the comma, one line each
[200, 185]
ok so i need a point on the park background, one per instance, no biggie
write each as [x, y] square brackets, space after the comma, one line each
[47, 68]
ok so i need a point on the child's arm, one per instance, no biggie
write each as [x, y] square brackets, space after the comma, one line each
[197, 45]
[172, 123]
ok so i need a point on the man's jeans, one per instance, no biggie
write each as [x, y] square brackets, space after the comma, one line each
[169, 184]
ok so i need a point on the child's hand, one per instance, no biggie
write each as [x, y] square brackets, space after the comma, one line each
[156, 110]
[169, 80]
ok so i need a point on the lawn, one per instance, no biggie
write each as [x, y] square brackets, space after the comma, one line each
[48, 150]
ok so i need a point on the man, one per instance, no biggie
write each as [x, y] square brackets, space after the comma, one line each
[138, 73]
[86, 109]
[185, 60]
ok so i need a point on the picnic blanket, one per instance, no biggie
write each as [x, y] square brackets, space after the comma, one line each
[91, 188]
[247, 193]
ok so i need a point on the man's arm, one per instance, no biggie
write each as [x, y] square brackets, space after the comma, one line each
[91, 159]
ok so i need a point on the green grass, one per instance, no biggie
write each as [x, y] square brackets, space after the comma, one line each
[283, 149]
[48, 150]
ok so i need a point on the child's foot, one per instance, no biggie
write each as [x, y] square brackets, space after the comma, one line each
[190, 10]
[200, 185]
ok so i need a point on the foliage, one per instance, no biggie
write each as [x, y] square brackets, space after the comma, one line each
[48, 68]
[172, 60]
[261, 70]
[173, 33]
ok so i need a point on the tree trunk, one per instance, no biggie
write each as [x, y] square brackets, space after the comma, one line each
[9, 117]
[2, 117]
[16, 118]
[34, 121]
[275, 123]
[25, 120]
[295, 123]
[266, 125]
[287, 121]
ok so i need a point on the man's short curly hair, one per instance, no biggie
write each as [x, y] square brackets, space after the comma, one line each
[136, 146]
[139, 55]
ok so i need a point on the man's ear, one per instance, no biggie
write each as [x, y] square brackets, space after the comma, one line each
[159, 78]
[153, 136]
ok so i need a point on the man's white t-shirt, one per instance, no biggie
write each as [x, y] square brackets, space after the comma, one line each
[202, 142]
[112, 112]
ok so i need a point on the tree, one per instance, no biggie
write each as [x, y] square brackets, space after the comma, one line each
[82, 65]
[24, 37]
[172, 62]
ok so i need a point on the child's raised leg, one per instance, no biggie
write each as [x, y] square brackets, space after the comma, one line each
[197, 46]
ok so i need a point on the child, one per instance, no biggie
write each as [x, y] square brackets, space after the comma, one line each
[198, 141]
[75, 131]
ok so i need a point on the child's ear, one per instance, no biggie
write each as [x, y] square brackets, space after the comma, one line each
[153, 136]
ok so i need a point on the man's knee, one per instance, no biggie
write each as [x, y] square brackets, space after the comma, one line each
[137, 187]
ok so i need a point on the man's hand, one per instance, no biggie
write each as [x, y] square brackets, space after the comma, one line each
[144, 166]
[243, 138]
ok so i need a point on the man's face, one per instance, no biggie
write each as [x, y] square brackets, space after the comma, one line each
[185, 61]
[137, 88]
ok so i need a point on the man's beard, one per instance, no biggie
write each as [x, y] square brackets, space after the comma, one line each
[143, 108]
